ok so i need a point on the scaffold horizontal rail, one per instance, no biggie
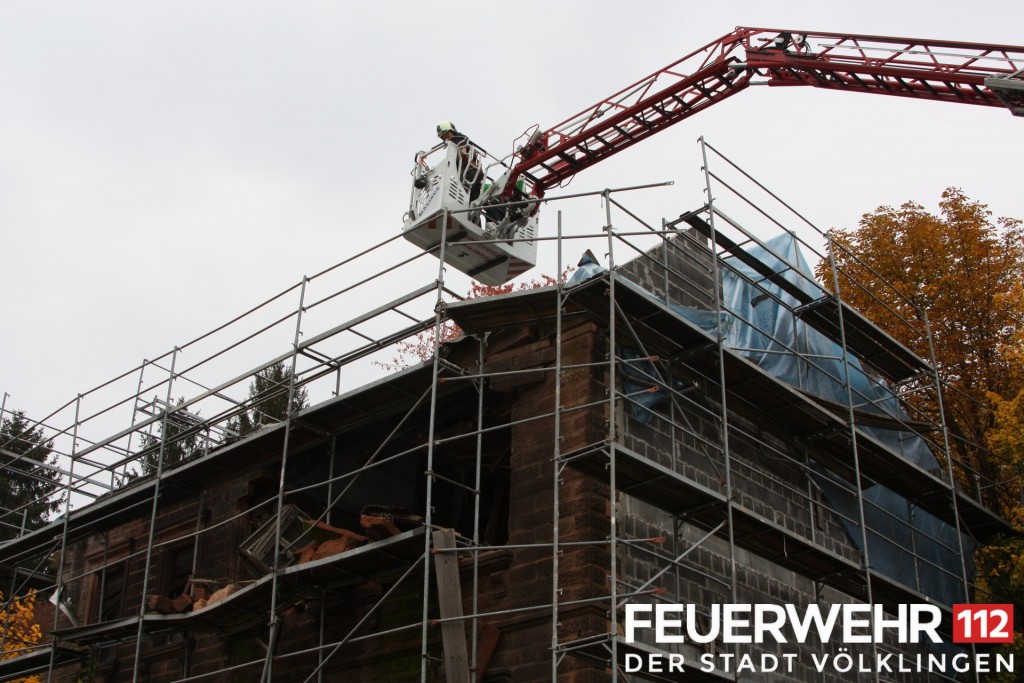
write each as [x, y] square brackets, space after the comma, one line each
[865, 339]
[38, 660]
[681, 496]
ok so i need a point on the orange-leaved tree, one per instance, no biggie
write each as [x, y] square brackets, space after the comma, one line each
[18, 629]
[1001, 561]
[963, 270]
[421, 347]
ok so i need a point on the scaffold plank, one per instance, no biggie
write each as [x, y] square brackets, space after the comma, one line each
[449, 601]
[390, 555]
[247, 606]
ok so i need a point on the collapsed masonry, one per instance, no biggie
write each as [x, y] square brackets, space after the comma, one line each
[487, 517]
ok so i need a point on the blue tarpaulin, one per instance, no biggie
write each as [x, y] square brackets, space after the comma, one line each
[904, 542]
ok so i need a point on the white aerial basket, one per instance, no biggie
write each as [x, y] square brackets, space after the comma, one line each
[491, 243]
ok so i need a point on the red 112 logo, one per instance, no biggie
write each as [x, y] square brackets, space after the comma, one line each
[982, 623]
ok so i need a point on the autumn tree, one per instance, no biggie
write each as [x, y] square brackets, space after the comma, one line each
[1006, 441]
[964, 270]
[1001, 561]
[29, 494]
[18, 629]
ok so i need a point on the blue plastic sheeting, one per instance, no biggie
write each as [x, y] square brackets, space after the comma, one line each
[904, 543]
[587, 268]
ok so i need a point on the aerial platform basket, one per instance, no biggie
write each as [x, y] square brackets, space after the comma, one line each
[1009, 89]
[491, 243]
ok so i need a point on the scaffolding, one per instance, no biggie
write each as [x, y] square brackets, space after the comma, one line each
[574, 449]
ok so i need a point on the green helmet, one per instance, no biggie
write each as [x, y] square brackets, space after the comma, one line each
[445, 127]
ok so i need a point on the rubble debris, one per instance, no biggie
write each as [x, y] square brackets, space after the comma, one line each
[200, 592]
[327, 540]
[378, 527]
[182, 603]
[161, 604]
[328, 548]
[223, 593]
[305, 553]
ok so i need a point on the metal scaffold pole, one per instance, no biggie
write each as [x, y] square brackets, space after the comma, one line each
[858, 482]
[477, 493]
[716, 286]
[135, 414]
[9, 598]
[151, 538]
[556, 461]
[612, 436]
[275, 620]
[428, 516]
[948, 453]
[64, 539]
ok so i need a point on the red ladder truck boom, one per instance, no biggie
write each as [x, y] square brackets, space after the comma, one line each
[970, 73]
[945, 71]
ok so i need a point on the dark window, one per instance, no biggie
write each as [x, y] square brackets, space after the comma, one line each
[112, 581]
[176, 570]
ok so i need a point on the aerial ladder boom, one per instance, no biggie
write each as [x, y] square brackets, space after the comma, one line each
[970, 73]
[944, 71]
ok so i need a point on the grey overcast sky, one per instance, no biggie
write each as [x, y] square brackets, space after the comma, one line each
[165, 165]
